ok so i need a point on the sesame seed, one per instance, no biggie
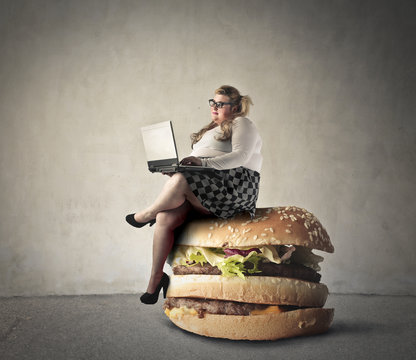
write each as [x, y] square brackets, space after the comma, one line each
[263, 234]
[255, 237]
[209, 236]
[288, 231]
[211, 228]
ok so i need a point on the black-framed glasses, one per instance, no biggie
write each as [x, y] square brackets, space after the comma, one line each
[218, 104]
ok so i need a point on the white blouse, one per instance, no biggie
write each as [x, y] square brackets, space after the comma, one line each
[242, 149]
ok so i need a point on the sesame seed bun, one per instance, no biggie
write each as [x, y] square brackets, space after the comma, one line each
[258, 327]
[289, 225]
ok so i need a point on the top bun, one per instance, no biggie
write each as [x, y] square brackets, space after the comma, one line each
[288, 225]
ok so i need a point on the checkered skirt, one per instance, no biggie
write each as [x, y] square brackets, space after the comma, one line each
[226, 192]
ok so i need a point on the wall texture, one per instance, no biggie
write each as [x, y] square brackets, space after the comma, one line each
[333, 83]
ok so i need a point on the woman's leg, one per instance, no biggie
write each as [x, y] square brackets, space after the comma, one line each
[175, 192]
[170, 210]
[163, 238]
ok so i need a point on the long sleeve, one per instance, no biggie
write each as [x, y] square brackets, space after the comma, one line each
[245, 148]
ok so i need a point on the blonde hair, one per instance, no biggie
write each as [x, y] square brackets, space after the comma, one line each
[243, 106]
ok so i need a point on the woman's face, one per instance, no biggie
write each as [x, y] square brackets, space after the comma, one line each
[218, 115]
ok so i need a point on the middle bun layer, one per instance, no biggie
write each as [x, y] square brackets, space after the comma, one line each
[255, 289]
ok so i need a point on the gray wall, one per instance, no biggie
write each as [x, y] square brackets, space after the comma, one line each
[332, 83]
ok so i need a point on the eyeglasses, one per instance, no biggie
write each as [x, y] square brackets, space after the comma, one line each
[218, 104]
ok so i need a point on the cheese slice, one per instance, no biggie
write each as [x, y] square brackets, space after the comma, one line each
[179, 312]
[272, 309]
[183, 310]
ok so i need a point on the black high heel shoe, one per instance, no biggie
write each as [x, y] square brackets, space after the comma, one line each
[132, 222]
[147, 298]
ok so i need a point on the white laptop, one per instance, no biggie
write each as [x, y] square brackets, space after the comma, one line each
[160, 147]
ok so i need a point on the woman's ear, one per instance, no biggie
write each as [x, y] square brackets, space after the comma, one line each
[234, 108]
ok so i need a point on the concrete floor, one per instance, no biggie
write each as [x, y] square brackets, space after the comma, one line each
[119, 327]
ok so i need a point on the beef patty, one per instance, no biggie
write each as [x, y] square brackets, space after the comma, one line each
[223, 307]
[294, 271]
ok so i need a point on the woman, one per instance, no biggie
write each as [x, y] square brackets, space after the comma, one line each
[230, 144]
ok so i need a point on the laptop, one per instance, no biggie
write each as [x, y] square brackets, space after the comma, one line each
[160, 148]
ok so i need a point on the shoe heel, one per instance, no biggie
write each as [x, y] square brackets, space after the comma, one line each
[165, 290]
[165, 285]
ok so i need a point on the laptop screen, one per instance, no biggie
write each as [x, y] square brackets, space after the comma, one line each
[159, 143]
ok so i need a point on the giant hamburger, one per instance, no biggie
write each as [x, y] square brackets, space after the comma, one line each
[253, 279]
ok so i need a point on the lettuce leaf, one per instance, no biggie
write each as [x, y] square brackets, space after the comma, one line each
[234, 265]
[229, 266]
[196, 258]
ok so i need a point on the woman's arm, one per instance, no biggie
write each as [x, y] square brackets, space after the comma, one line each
[243, 141]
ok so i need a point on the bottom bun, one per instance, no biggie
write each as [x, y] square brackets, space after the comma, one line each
[258, 327]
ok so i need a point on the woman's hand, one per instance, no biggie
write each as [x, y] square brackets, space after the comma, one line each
[191, 160]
